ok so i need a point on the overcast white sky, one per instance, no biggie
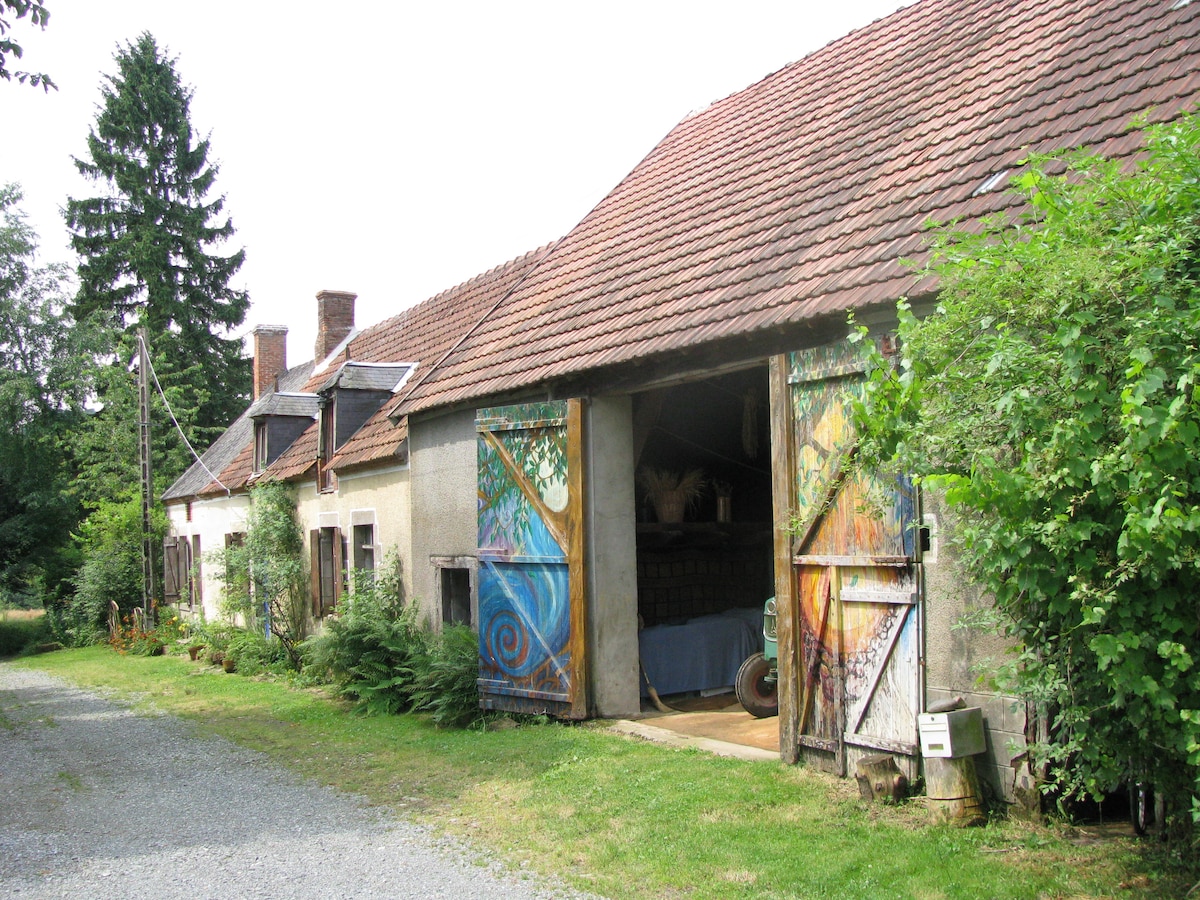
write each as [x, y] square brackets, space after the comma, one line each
[397, 149]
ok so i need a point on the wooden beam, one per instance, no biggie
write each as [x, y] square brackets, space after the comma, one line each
[783, 468]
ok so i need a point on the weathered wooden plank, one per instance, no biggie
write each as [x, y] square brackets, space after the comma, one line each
[905, 597]
[829, 745]
[852, 561]
[576, 580]
[864, 704]
[905, 748]
[813, 665]
[783, 465]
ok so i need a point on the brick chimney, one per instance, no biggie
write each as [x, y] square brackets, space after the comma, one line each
[335, 320]
[270, 356]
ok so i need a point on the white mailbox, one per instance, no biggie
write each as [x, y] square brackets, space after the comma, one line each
[952, 734]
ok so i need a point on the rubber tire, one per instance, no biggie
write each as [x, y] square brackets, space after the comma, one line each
[759, 696]
[1141, 807]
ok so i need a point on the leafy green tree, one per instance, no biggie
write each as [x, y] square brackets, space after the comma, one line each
[149, 248]
[266, 576]
[10, 49]
[108, 584]
[1054, 395]
[44, 384]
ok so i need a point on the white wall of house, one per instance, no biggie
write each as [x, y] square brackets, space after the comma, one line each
[379, 498]
[209, 520]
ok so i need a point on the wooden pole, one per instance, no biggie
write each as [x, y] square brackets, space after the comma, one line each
[147, 480]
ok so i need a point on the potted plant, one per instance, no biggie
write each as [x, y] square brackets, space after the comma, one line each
[672, 493]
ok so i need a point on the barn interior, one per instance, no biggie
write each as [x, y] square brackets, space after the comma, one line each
[704, 562]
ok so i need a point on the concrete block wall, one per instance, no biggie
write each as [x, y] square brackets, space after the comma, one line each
[958, 659]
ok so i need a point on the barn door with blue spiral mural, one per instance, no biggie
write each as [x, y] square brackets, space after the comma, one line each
[531, 600]
[854, 622]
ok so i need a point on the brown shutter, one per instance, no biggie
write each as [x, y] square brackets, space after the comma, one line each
[314, 550]
[195, 574]
[339, 567]
[171, 569]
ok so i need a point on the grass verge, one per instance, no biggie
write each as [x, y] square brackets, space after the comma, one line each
[626, 818]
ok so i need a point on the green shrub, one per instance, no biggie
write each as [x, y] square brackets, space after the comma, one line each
[274, 552]
[18, 635]
[253, 653]
[446, 677]
[368, 651]
[111, 542]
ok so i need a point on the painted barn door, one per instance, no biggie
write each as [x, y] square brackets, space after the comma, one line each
[531, 590]
[855, 617]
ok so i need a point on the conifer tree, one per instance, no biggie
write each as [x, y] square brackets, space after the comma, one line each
[149, 245]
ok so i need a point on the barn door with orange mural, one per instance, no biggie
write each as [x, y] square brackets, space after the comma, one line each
[855, 613]
[531, 591]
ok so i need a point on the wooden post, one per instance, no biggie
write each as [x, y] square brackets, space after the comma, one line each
[952, 786]
[791, 660]
[880, 779]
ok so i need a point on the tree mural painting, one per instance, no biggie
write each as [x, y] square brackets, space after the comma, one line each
[530, 633]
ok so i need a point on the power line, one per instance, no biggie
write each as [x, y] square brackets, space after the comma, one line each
[174, 421]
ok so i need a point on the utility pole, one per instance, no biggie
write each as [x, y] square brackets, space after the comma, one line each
[147, 480]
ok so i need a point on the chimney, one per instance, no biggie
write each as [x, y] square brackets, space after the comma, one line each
[335, 320]
[270, 356]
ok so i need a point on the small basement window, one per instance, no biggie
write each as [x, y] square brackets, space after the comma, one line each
[456, 596]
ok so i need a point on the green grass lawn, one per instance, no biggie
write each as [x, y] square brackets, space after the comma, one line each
[626, 818]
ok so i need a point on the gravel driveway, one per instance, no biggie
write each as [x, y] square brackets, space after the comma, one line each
[97, 802]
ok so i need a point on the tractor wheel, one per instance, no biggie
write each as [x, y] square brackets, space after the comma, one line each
[759, 696]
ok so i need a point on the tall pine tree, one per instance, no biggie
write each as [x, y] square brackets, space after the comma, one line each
[149, 250]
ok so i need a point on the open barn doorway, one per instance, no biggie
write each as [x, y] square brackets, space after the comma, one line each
[704, 563]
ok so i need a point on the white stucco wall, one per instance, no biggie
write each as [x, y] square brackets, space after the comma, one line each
[444, 501]
[377, 497]
[210, 519]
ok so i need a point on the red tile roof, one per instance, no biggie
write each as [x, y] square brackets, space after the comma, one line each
[798, 198]
[421, 334]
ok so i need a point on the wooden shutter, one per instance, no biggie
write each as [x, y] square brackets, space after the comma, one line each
[171, 579]
[337, 565]
[314, 550]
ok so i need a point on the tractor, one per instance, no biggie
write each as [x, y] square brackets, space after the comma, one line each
[757, 683]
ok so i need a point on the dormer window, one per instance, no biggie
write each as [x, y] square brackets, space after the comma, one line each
[260, 446]
[327, 444]
[348, 400]
[279, 418]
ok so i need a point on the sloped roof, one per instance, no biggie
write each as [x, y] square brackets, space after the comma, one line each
[797, 199]
[227, 448]
[284, 403]
[368, 376]
[423, 334]
[419, 336]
